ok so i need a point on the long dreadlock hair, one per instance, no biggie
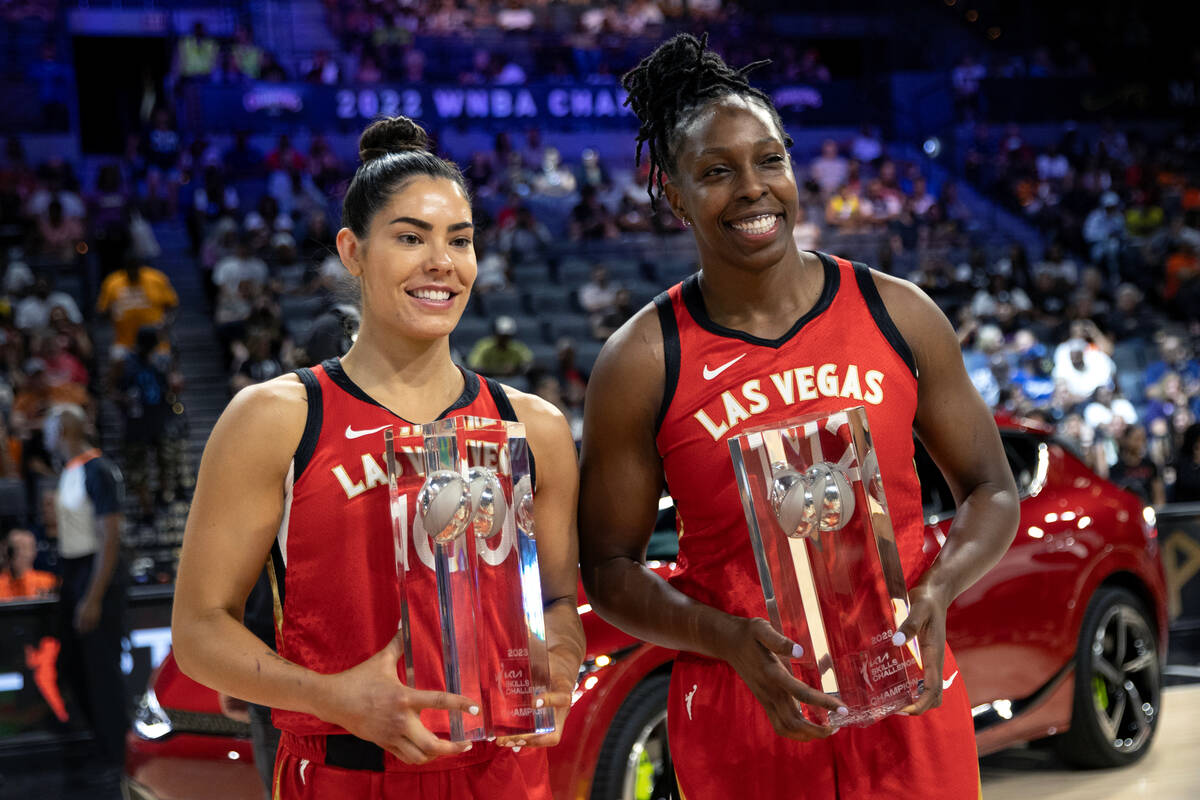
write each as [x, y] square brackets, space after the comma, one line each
[678, 77]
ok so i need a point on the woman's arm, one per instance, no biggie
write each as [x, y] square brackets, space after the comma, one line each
[958, 430]
[620, 482]
[235, 514]
[558, 550]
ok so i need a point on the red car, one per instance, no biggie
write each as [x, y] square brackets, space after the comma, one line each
[1064, 638]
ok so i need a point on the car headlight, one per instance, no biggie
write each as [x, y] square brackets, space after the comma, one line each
[149, 719]
[587, 670]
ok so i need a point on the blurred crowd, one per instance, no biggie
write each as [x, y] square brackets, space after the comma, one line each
[1128, 202]
[1099, 334]
[1108, 368]
[864, 191]
[262, 227]
[450, 41]
[54, 232]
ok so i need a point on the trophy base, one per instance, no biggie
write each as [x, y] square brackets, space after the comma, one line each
[862, 717]
[524, 721]
[522, 730]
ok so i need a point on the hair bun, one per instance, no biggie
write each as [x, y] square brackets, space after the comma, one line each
[391, 135]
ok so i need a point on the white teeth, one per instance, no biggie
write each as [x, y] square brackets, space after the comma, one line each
[754, 225]
[431, 294]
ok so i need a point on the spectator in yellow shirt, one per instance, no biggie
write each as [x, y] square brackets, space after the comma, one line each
[133, 298]
[196, 55]
[844, 208]
[501, 354]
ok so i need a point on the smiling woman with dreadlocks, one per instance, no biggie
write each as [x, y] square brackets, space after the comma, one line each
[761, 334]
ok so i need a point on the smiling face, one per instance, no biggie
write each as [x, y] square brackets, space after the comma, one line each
[417, 262]
[733, 181]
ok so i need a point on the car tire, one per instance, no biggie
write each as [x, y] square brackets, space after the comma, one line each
[635, 760]
[1118, 684]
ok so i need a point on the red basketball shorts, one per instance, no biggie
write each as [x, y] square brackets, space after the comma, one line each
[301, 774]
[723, 746]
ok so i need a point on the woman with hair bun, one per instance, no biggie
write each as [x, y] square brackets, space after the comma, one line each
[762, 334]
[287, 480]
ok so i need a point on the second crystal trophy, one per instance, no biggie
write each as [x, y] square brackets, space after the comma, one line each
[505, 620]
[827, 560]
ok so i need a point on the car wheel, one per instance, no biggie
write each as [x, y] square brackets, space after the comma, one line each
[1118, 684]
[635, 760]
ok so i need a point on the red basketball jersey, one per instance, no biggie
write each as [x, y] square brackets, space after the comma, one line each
[334, 562]
[844, 352]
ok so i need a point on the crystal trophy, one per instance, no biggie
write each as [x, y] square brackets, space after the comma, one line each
[439, 522]
[494, 465]
[827, 560]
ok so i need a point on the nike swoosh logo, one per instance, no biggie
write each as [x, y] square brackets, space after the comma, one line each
[353, 434]
[948, 682]
[709, 374]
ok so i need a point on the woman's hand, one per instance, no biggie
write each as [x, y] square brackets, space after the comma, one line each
[370, 702]
[562, 685]
[756, 651]
[87, 614]
[927, 622]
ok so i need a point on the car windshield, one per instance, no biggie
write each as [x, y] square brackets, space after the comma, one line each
[1020, 448]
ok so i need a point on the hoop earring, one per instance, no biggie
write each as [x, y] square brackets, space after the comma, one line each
[687, 223]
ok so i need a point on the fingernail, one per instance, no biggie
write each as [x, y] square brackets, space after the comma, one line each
[468, 747]
[843, 710]
[517, 749]
[520, 742]
[539, 703]
[473, 710]
[797, 651]
[899, 638]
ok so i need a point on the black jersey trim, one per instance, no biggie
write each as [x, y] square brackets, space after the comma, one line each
[333, 368]
[671, 354]
[500, 398]
[694, 300]
[507, 412]
[883, 320]
[312, 423]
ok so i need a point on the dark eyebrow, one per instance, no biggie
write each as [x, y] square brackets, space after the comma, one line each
[718, 149]
[420, 223]
[423, 225]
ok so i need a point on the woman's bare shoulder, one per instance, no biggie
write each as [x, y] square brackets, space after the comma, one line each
[265, 420]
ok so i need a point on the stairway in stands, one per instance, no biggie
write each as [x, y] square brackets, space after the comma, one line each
[294, 30]
[205, 395]
[206, 387]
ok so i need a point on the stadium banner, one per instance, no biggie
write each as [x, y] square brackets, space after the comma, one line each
[268, 107]
[1179, 535]
[1043, 99]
